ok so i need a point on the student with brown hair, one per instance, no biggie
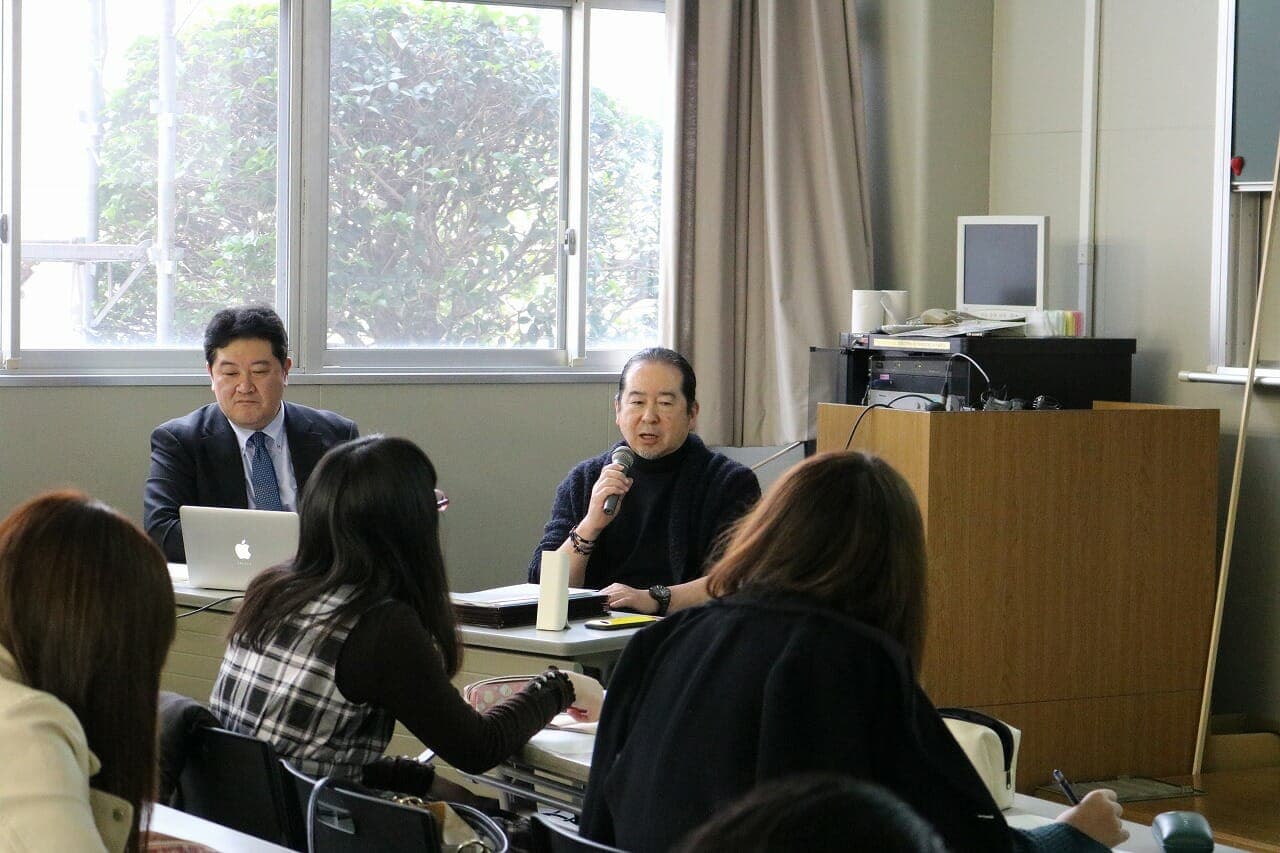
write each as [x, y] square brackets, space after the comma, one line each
[86, 619]
[802, 661]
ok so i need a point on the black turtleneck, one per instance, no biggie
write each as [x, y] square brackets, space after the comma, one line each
[666, 526]
[635, 548]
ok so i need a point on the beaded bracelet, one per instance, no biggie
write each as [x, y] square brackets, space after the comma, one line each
[580, 545]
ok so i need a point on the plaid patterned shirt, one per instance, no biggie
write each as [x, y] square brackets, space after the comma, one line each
[287, 695]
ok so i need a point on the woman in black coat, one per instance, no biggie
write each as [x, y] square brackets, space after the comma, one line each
[801, 662]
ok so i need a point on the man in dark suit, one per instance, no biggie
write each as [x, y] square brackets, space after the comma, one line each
[249, 449]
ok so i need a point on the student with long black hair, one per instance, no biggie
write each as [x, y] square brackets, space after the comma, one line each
[357, 632]
[86, 619]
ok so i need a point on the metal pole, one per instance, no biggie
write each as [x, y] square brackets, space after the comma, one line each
[93, 123]
[166, 198]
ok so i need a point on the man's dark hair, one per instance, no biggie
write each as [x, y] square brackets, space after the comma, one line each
[688, 382]
[259, 322]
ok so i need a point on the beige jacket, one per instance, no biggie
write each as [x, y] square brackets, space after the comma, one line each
[45, 766]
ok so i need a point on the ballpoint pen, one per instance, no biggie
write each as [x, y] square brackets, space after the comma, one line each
[1061, 779]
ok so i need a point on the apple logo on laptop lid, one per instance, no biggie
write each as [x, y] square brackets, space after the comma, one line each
[243, 551]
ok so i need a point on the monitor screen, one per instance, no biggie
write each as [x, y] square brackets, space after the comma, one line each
[1000, 263]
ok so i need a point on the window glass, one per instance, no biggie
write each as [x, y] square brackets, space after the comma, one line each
[624, 202]
[148, 170]
[152, 143]
[444, 175]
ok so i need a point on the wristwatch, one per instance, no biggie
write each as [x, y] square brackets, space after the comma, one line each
[662, 595]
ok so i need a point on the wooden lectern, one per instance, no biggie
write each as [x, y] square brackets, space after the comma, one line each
[1071, 572]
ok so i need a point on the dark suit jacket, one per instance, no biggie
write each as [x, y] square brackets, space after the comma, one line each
[196, 460]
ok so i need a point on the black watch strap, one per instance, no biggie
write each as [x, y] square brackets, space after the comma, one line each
[662, 595]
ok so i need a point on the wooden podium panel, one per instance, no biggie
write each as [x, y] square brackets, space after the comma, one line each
[1072, 563]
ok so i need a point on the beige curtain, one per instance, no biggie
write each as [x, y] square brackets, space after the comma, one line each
[767, 229]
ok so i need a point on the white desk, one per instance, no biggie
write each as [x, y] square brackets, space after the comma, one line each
[179, 824]
[577, 645]
[564, 759]
[1140, 838]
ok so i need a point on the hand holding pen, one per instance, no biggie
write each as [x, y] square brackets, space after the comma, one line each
[1097, 815]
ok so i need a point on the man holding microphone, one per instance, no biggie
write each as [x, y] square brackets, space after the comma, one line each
[640, 521]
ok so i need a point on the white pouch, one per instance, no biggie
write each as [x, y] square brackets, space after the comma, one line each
[992, 748]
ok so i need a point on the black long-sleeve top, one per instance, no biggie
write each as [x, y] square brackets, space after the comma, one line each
[389, 660]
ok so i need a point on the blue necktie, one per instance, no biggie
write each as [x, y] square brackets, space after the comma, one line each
[262, 473]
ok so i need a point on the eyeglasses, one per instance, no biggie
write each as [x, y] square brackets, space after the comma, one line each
[442, 501]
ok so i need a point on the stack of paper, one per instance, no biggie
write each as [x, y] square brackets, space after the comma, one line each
[1012, 328]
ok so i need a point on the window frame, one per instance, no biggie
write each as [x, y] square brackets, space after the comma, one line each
[1233, 270]
[302, 225]
[10, 191]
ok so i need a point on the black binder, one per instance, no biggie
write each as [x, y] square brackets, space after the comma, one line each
[505, 610]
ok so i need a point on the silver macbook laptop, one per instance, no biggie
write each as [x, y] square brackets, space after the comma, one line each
[227, 547]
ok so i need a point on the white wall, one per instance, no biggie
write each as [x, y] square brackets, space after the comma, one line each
[927, 74]
[1035, 127]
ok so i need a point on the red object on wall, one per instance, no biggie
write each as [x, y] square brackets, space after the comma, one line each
[1237, 165]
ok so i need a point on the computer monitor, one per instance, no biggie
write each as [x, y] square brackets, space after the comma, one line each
[1000, 264]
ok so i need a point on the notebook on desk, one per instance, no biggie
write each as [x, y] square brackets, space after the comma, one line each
[516, 605]
[226, 548]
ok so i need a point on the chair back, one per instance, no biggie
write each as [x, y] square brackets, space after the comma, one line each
[235, 780]
[550, 835]
[297, 796]
[345, 821]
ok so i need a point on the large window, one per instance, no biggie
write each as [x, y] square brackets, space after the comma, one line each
[148, 169]
[454, 184]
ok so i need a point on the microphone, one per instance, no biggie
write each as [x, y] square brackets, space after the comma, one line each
[626, 458]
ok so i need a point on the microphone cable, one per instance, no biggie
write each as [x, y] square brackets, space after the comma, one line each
[888, 405]
[946, 376]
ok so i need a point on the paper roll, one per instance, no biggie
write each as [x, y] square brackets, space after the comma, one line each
[897, 305]
[1039, 324]
[553, 592]
[866, 314]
